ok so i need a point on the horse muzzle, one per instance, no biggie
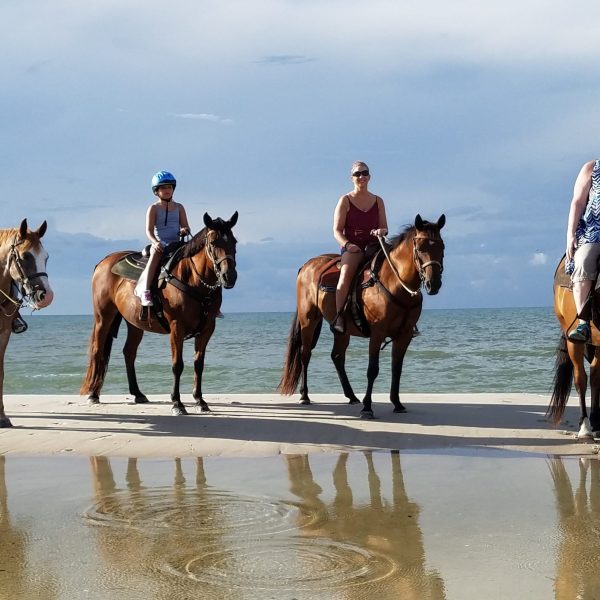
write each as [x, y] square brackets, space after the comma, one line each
[42, 298]
[228, 278]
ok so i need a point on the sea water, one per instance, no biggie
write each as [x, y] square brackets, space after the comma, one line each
[458, 351]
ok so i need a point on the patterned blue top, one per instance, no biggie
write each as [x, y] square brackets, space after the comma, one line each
[166, 228]
[588, 229]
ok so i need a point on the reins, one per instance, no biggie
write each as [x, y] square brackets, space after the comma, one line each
[395, 271]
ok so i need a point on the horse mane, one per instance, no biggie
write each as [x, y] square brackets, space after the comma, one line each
[199, 240]
[405, 234]
[409, 232]
[8, 235]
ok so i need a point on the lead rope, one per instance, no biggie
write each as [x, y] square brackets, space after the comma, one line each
[411, 292]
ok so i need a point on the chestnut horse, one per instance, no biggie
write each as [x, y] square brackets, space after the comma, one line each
[190, 303]
[22, 272]
[570, 364]
[392, 307]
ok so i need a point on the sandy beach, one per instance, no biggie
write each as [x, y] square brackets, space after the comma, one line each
[268, 424]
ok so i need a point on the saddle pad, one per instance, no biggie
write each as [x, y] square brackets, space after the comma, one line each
[329, 275]
[130, 266]
[561, 279]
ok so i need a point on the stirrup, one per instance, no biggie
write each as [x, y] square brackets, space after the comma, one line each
[18, 325]
[581, 334]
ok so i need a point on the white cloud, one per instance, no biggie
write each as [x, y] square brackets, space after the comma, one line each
[202, 117]
[538, 259]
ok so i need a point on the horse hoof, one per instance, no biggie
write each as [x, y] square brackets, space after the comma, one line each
[304, 401]
[5, 423]
[399, 409]
[177, 411]
[202, 408]
[141, 400]
[367, 414]
[93, 400]
[354, 401]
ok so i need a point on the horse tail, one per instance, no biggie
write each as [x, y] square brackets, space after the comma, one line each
[99, 357]
[292, 369]
[563, 382]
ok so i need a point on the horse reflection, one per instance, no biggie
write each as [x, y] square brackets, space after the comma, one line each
[577, 575]
[16, 568]
[389, 529]
[154, 530]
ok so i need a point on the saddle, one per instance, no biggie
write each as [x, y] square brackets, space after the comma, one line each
[366, 276]
[132, 264]
[591, 309]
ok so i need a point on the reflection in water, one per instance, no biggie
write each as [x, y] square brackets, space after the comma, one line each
[198, 537]
[387, 534]
[578, 552]
[17, 581]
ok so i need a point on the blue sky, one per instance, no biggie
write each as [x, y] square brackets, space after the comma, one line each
[482, 111]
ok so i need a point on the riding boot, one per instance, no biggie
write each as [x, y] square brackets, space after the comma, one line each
[338, 325]
[18, 325]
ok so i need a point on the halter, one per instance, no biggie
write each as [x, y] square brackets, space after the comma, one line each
[24, 279]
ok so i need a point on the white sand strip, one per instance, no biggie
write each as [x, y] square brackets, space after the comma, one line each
[266, 424]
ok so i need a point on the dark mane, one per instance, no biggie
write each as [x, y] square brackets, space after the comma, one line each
[409, 231]
[396, 240]
[196, 244]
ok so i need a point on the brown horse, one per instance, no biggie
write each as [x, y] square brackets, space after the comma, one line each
[190, 303]
[22, 272]
[391, 307]
[570, 359]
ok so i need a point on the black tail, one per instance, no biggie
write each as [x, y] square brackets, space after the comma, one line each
[563, 382]
[292, 368]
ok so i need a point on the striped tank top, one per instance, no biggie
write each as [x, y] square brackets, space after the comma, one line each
[588, 229]
[166, 227]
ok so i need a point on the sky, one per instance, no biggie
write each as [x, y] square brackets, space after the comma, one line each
[483, 111]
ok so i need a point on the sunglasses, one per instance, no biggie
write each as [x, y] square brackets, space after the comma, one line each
[359, 173]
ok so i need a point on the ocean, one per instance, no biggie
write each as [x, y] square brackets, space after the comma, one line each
[458, 351]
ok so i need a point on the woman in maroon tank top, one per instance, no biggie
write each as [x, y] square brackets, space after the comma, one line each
[358, 219]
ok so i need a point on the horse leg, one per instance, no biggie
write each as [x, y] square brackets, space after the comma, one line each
[177, 361]
[372, 373]
[399, 347]
[309, 336]
[200, 343]
[4, 337]
[338, 356]
[595, 392]
[134, 337]
[576, 353]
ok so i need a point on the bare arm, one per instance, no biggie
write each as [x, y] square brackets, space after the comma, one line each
[150, 223]
[382, 222]
[581, 192]
[184, 226]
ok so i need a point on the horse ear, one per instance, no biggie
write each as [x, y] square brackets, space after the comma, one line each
[23, 229]
[207, 220]
[441, 221]
[418, 222]
[41, 230]
[234, 217]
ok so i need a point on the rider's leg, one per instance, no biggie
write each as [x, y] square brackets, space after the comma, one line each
[583, 277]
[348, 264]
[146, 279]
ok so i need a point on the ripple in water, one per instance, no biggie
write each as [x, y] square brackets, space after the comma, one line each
[295, 565]
[210, 512]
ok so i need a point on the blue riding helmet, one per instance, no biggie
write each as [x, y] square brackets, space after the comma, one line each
[163, 178]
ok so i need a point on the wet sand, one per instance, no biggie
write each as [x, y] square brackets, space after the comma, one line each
[268, 424]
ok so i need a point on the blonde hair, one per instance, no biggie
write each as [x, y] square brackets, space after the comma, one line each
[357, 164]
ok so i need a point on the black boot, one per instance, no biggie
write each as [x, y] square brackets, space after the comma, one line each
[18, 324]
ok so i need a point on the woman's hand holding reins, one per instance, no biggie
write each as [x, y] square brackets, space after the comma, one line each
[379, 232]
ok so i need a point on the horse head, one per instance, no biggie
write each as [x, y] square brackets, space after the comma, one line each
[429, 253]
[220, 248]
[27, 261]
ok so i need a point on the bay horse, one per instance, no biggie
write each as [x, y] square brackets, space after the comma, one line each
[391, 306]
[22, 273]
[570, 361]
[191, 301]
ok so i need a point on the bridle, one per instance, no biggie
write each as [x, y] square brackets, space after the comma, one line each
[210, 254]
[418, 260]
[23, 282]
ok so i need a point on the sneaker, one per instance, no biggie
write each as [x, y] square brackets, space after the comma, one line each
[581, 333]
[146, 298]
[19, 325]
